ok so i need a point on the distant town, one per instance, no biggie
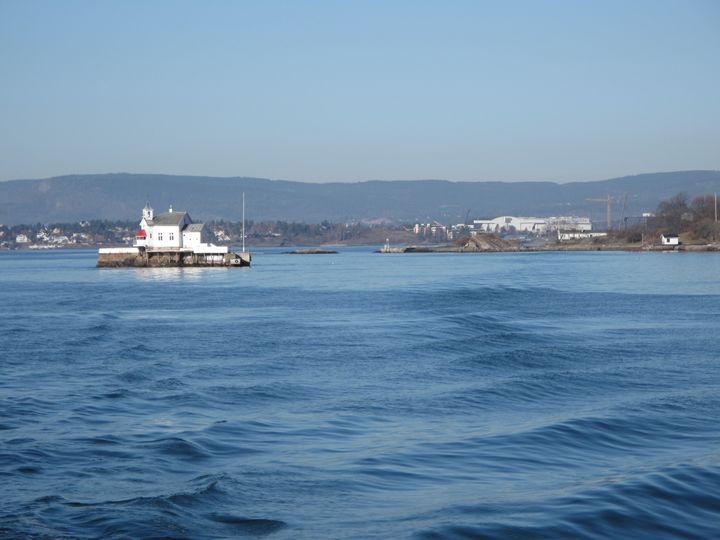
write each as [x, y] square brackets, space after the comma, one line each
[676, 220]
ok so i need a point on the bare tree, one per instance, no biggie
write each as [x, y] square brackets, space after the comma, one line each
[670, 212]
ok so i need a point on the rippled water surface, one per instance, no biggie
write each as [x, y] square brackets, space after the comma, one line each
[427, 396]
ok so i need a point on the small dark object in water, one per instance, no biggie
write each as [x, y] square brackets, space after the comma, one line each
[311, 251]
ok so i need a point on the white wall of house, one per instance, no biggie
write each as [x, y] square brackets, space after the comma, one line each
[210, 248]
[669, 240]
[164, 236]
[191, 239]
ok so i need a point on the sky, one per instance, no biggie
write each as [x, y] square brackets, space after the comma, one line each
[349, 91]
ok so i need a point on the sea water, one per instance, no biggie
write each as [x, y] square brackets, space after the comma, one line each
[360, 395]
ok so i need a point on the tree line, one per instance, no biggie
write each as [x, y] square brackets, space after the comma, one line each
[696, 218]
[118, 232]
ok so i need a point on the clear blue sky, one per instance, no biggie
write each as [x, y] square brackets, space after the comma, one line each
[320, 91]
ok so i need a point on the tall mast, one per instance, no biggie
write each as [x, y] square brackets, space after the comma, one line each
[243, 222]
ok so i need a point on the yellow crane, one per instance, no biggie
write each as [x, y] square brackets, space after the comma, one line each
[622, 201]
[621, 221]
[608, 201]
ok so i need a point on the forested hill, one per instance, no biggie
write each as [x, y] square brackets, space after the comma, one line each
[121, 196]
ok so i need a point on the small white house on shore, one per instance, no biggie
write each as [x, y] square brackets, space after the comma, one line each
[670, 239]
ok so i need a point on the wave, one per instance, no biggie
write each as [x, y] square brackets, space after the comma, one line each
[182, 514]
[682, 501]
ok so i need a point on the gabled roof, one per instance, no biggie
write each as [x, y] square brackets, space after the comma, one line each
[194, 227]
[169, 218]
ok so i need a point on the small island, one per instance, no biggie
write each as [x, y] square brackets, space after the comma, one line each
[311, 251]
[171, 239]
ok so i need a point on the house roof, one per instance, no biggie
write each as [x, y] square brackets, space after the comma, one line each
[169, 218]
[194, 227]
[670, 235]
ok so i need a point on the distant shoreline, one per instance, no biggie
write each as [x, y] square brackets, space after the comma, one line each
[443, 248]
[559, 248]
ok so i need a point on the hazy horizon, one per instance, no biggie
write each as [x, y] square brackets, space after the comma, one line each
[351, 181]
[556, 91]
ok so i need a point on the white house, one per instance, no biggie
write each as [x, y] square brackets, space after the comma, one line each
[174, 231]
[669, 239]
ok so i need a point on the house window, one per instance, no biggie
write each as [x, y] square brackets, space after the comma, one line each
[172, 236]
[160, 236]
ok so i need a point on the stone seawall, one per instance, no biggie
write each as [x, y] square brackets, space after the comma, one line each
[118, 260]
[134, 258]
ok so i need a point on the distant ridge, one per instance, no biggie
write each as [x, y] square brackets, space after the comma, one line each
[121, 196]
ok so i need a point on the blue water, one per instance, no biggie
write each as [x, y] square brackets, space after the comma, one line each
[425, 396]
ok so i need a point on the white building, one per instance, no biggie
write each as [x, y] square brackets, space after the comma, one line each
[42, 236]
[533, 225]
[61, 239]
[579, 235]
[174, 231]
[569, 223]
[511, 223]
[433, 229]
[22, 239]
[669, 239]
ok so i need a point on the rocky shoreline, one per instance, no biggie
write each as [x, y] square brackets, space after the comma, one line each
[492, 244]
